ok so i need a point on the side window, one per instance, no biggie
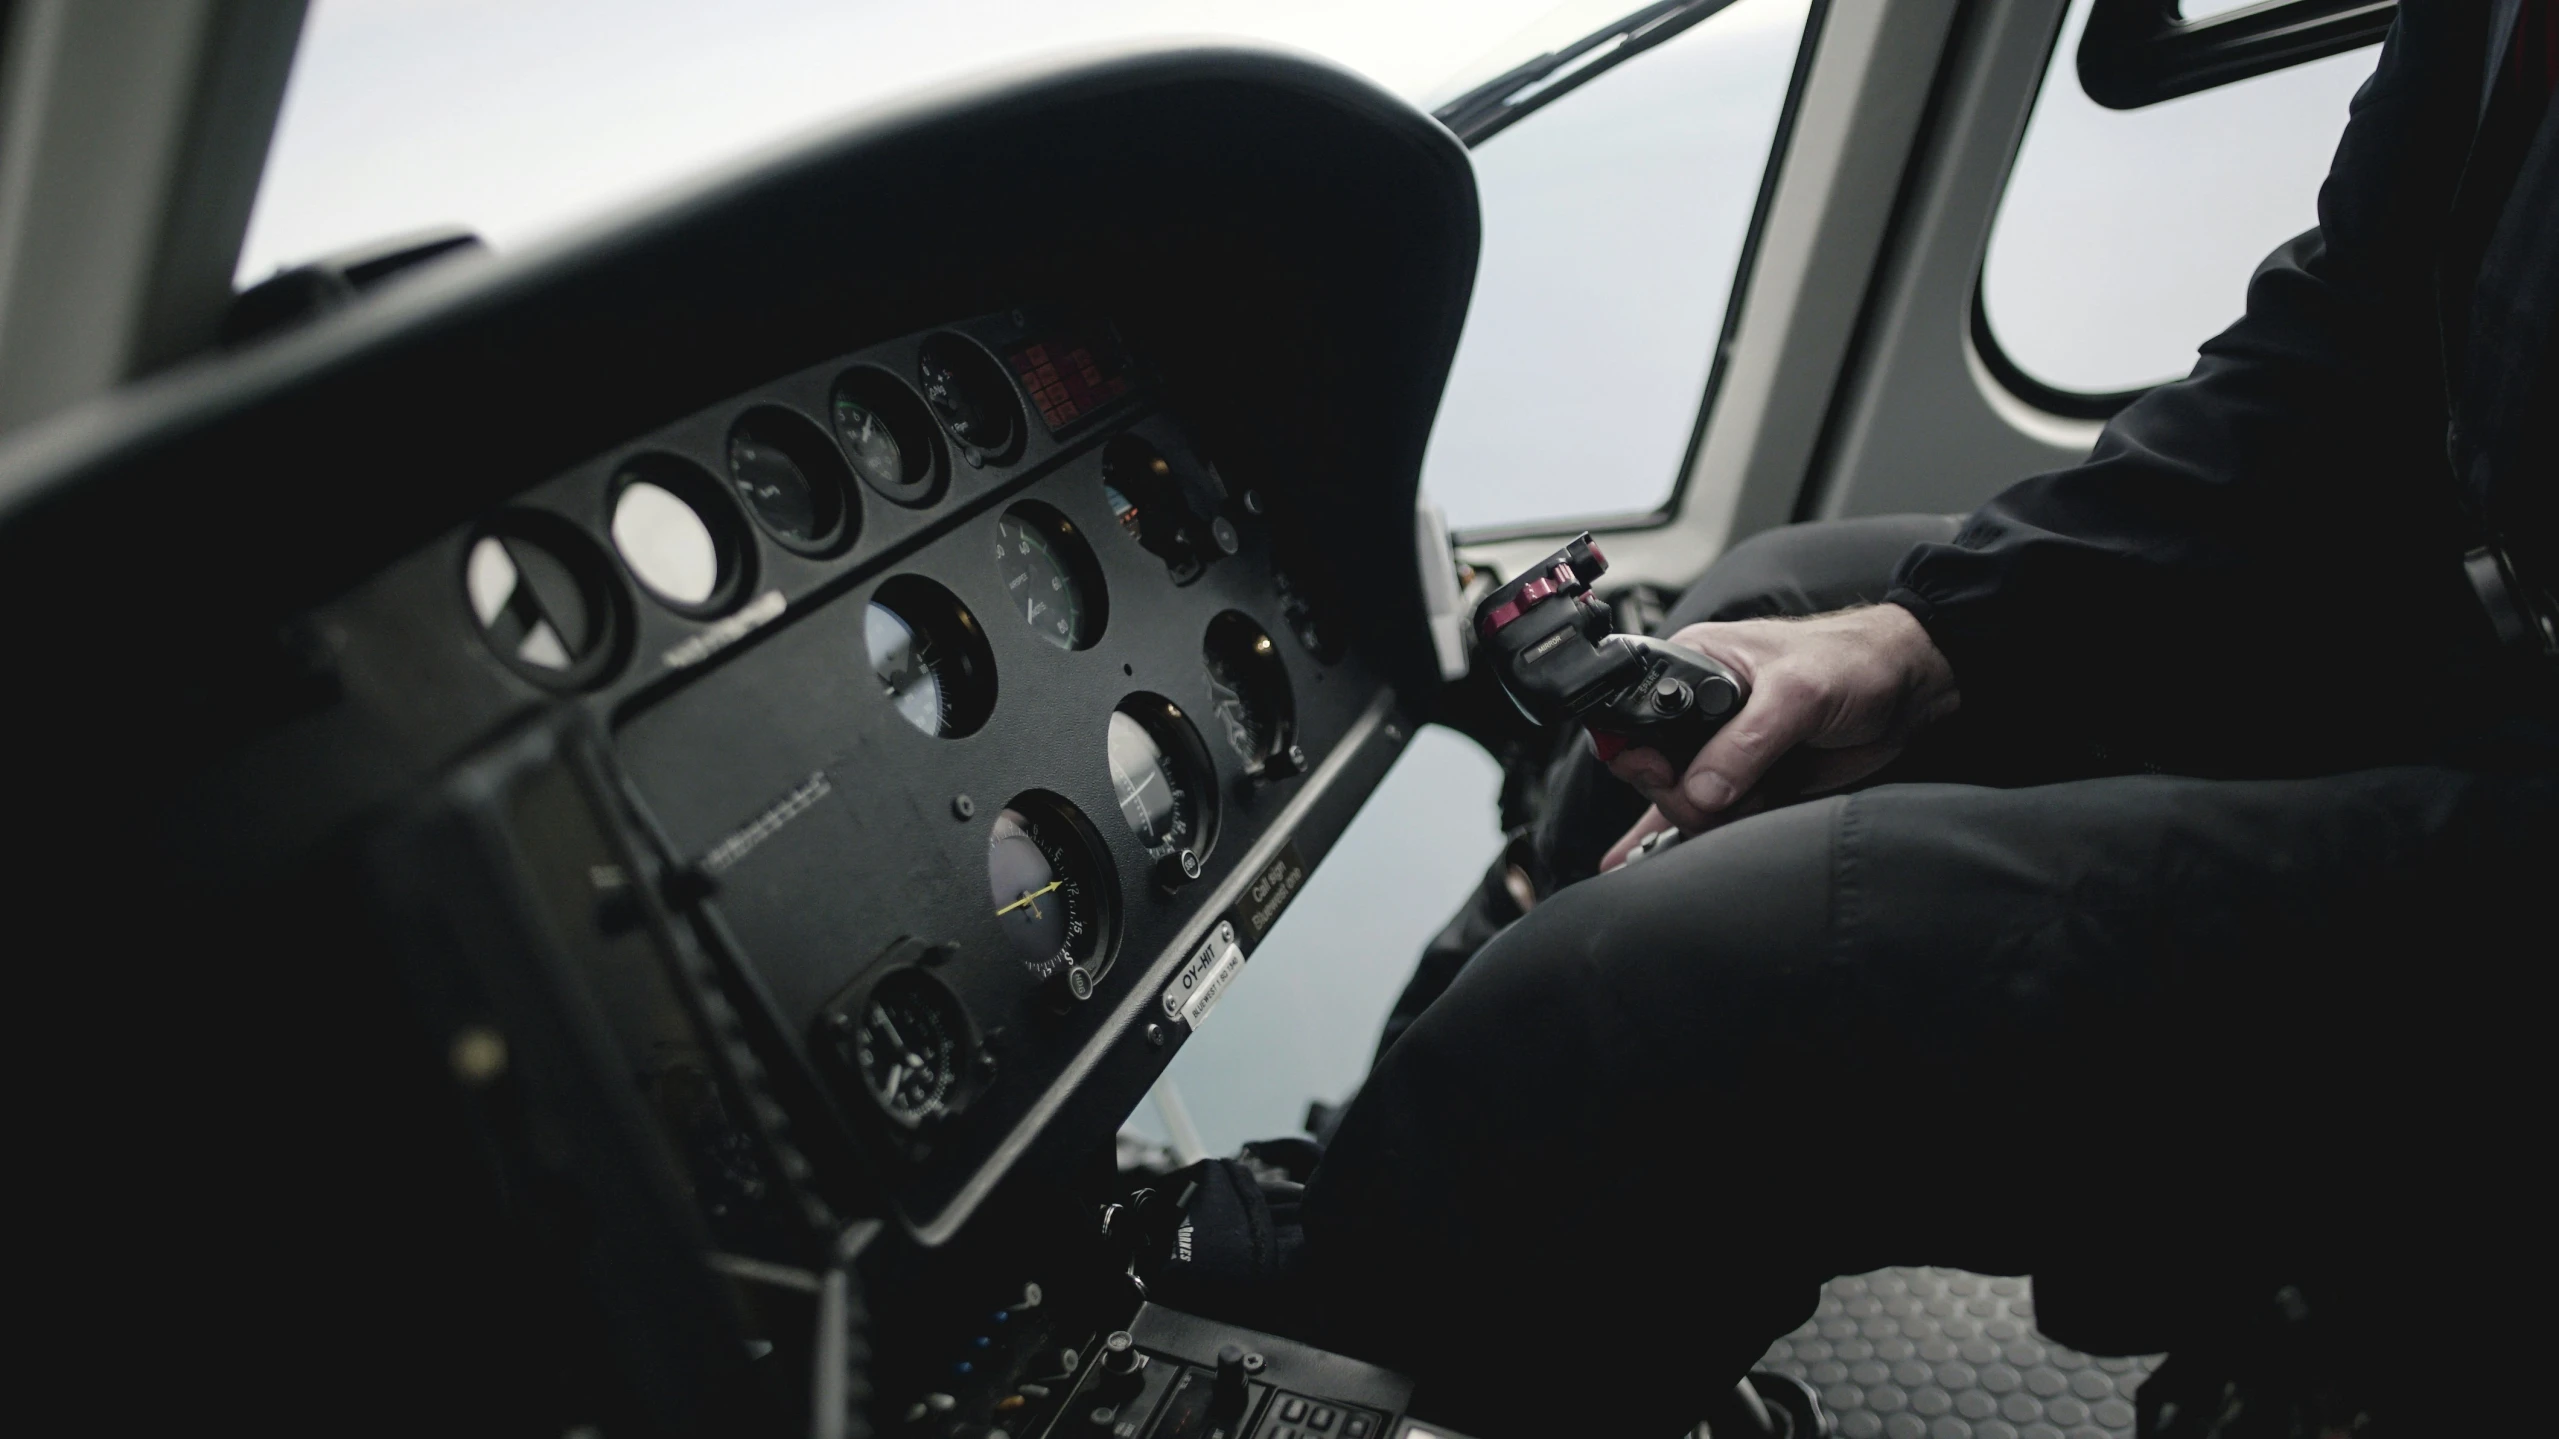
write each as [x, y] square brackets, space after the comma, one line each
[2126, 237]
[1615, 220]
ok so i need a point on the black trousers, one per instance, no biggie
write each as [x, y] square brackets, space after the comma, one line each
[2164, 1042]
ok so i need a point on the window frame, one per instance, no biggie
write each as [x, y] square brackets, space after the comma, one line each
[1816, 13]
[2141, 52]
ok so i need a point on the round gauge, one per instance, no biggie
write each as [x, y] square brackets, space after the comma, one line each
[909, 1046]
[1049, 575]
[1162, 777]
[790, 477]
[679, 536]
[1049, 885]
[544, 600]
[970, 392]
[1249, 683]
[887, 435]
[869, 442]
[930, 657]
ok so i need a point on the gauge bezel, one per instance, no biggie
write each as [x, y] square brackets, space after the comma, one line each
[939, 617]
[985, 381]
[596, 573]
[820, 462]
[911, 423]
[1051, 811]
[714, 503]
[1161, 517]
[837, 1030]
[1075, 555]
[1179, 740]
[1234, 630]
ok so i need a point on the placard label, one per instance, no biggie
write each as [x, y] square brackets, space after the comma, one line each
[1212, 967]
[1268, 895]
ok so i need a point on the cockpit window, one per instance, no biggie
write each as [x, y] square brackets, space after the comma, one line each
[1614, 224]
[518, 118]
[2126, 237]
[1614, 216]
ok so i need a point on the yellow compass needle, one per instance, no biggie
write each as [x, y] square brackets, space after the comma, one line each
[1027, 897]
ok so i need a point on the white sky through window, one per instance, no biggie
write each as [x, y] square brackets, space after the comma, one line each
[516, 118]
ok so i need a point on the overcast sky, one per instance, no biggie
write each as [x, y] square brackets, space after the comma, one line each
[515, 117]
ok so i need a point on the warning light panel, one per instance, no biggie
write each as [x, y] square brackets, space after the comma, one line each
[1068, 380]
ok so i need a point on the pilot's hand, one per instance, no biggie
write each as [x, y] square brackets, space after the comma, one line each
[1833, 699]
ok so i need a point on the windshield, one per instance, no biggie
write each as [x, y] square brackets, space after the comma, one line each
[515, 118]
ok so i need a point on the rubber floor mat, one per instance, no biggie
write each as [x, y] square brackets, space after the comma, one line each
[1943, 1354]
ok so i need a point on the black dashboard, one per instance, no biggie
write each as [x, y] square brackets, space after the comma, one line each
[688, 779]
[997, 764]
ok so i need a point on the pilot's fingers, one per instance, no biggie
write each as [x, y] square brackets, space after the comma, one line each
[1643, 767]
[1653, 822]
[1650, 775]
[1782, 712]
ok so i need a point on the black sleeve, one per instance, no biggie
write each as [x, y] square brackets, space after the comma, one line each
[2258, 565]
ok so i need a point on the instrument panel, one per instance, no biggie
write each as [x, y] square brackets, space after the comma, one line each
[703, 728]
[960, 677]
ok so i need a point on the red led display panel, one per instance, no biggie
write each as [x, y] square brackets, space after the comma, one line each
[1067, 380]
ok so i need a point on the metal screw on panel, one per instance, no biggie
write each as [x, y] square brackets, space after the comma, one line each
[963, 807]
[1222, 530]
[1178, 868]
[478, 1056]
[1252, 502]
[1155, 1035]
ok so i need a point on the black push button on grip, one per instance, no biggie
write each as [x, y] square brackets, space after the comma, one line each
[1559, 656]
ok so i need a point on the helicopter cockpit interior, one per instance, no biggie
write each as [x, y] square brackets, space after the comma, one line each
[632, 823]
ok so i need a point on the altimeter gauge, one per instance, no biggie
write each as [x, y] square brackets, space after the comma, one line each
[1049, 575]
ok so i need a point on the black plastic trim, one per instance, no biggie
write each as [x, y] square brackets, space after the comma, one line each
[2139, 52]
[1499, 103]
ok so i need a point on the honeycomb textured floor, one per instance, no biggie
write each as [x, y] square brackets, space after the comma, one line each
[1942, 1354]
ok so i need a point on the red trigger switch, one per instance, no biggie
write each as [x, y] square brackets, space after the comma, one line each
[1608, 745]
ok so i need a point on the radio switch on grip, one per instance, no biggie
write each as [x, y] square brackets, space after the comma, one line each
[1559, 656]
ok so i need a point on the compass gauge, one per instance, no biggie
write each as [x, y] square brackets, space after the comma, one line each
[1049, 887]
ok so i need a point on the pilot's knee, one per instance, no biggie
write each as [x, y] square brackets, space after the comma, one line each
[1621, 980]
